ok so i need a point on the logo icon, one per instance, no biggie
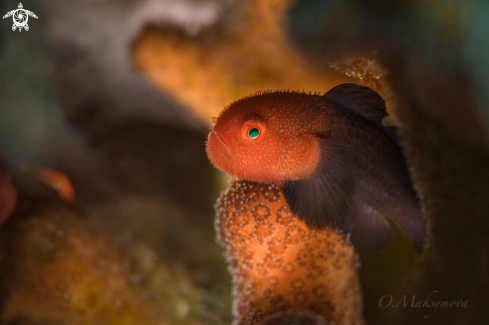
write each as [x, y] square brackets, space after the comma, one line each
[20, 17]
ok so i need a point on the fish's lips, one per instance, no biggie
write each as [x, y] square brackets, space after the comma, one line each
[216, 142]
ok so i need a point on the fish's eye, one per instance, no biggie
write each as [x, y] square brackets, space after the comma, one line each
[253, 130]
[253, 133]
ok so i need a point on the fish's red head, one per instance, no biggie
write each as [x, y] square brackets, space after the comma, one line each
[268, 137]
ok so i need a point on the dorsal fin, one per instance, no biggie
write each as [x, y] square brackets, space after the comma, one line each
[359, 100]
[365, 102]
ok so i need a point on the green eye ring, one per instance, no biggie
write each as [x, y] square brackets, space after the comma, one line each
[253, 133]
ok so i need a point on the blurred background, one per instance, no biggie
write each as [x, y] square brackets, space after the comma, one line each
[105, 107]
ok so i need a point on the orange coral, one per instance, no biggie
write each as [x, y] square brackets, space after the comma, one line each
[62, 271]
[278, 263]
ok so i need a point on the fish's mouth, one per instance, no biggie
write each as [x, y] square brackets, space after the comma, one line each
[214, 134]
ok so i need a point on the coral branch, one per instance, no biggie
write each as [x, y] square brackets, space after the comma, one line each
[277, 263]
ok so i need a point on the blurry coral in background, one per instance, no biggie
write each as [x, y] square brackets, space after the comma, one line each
[119, 97]
[245, 51]
[137, 245]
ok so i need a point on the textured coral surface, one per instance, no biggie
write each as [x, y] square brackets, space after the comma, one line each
[61, 271]
[278, 263]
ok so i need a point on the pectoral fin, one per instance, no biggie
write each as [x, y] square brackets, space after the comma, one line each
[324, 198]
